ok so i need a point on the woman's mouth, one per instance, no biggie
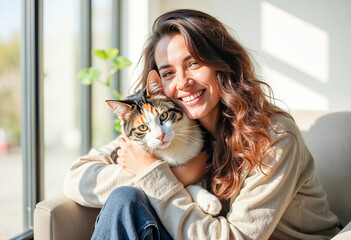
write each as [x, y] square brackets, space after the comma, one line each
[192, 97]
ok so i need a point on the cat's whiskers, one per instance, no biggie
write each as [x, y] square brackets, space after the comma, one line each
[189, 138]
[142, 157]
[196, 140]
[185, 131]
[189, 127]
[185, 135]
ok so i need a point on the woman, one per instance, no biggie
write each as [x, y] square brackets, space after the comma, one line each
[260, 169]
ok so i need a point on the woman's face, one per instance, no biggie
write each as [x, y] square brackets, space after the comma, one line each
[190, 84]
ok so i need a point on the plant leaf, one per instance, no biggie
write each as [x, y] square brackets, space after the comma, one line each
[117, 94]
[101, 54]
[121, 62]
[112, 52]
[88, 76]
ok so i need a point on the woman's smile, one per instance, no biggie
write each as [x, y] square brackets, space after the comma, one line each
[192, 98]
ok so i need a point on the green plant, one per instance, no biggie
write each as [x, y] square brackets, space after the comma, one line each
[114, 62]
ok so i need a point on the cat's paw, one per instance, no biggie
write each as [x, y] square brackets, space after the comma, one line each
[210, 205]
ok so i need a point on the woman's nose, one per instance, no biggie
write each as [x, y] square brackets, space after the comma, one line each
[184, 81]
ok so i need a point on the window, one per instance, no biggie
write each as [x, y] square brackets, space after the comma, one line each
[11, 207]
[61, 98]
[45, 117]
[101, 39]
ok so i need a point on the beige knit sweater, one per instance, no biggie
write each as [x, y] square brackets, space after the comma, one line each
[287, 202]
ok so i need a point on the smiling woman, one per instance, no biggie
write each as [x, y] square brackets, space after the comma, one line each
[260, 167]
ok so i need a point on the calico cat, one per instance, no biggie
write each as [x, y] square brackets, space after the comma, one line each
[156, 124]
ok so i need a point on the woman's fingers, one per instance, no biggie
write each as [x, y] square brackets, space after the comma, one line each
[121, 142]
[132, 158]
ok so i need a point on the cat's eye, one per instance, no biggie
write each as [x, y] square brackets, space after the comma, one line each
[163, 116]
[143, 128]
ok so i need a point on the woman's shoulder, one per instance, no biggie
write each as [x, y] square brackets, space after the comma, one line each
[283, 124]
[287, 147]
[285, 134]
[284, 131]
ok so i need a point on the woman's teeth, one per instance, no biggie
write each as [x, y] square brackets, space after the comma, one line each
[192, 97]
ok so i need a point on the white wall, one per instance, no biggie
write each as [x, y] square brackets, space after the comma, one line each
[301, 47]
[134, 31]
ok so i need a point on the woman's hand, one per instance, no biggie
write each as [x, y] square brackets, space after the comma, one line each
[132, 158]
[193, 171]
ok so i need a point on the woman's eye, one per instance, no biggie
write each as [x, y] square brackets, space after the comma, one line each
[143, 128]
[192, 64]
[167, 74]
[163, 116]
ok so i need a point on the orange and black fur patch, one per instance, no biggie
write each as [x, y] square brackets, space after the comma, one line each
[143, 105]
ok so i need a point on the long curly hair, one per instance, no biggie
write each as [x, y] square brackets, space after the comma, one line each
[245, 110]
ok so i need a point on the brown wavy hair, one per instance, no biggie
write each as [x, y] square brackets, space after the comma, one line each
[245, 110]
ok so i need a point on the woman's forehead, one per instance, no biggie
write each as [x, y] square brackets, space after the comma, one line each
[171, 49]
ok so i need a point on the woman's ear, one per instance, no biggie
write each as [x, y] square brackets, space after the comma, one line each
[120, 108]
[154, 84]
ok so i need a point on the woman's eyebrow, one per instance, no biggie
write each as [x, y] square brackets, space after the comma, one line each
[168, 65]
[163, 66]
[187, 58]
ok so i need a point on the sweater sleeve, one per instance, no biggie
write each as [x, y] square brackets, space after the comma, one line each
[90, 179]
[255, 209]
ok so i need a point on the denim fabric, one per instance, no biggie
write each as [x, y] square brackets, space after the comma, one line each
[128, 214]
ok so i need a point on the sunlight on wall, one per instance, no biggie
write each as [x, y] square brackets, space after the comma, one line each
[133, 35]
[303, 97]
[295, 42]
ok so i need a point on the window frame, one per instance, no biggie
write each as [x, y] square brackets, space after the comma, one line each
[32, 119]
[86, 91]
[32, 137]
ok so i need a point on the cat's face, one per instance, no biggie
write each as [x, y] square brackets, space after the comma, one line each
[152, 123]
[149, 118]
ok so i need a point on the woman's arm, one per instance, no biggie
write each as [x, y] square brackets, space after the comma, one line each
[91, 178]
[192, 171]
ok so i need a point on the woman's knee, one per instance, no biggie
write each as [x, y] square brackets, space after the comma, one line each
[125, 195]
[127, 211]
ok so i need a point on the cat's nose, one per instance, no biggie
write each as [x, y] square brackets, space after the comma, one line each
[161, 137]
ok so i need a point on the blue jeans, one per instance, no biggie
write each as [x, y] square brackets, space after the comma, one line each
[128, 214]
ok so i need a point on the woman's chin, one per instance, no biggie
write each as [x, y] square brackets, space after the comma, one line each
[193, 117]
[193, 114]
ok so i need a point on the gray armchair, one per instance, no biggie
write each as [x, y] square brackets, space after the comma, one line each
[327, 134]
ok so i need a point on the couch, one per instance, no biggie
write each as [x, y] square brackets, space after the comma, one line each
[326, 133]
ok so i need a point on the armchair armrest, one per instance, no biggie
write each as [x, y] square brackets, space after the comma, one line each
[61, 218]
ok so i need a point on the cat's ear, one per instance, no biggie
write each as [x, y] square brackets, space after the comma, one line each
[154, 84]
[120, 108]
